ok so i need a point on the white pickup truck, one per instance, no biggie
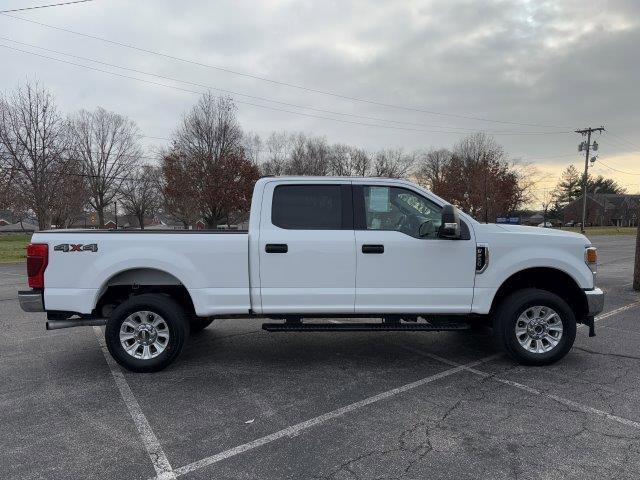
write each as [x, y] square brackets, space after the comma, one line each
[366, 248]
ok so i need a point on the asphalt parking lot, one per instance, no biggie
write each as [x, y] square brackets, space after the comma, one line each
[243, 403]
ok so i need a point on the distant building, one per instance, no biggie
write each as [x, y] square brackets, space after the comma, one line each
[534, 220]
[606, 209]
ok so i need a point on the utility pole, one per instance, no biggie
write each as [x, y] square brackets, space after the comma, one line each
[636, 269]
[115, 212]
[586, 146]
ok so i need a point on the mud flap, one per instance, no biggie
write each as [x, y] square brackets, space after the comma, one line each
[590, 322]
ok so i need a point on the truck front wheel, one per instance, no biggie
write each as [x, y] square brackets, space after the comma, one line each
[536, 327]
[147, 332]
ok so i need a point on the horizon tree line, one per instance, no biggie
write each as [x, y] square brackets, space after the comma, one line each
[58, 167]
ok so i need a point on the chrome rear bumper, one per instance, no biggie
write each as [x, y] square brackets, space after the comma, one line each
[31, 300]
[595, 301]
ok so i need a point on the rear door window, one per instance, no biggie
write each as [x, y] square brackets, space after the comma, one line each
[308, 207]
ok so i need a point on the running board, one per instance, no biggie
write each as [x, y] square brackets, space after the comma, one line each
[362, 327]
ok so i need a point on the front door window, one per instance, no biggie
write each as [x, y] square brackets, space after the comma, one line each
[401, 210]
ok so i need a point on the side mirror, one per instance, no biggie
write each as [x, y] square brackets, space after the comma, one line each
[450, 227]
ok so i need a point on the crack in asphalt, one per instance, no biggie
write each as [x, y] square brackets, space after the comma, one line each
[607, 354]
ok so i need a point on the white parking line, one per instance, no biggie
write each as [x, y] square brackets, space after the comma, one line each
[621, 330]
[149, 440]
[534, 391]
[296, 429]
[602, 316]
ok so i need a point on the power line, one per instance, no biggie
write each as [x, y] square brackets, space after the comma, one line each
[628, 142]
[156, 138]
[616, 170]
[617, 144]
[151, 82]
[622, 143]
[282, 83]
[45, 6]
[266, 99]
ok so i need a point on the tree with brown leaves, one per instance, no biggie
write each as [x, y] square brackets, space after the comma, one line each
[207, 172]
[480, 180]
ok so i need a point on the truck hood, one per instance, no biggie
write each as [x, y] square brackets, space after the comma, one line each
[539, 233]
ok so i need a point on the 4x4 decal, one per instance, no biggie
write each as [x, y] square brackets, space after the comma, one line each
[76, 247]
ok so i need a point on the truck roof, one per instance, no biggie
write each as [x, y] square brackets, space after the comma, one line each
[325, 178]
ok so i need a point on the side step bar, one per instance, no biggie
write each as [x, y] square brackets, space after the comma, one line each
[363, 327]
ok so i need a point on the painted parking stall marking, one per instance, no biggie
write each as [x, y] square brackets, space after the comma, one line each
[534, 391]
[149, 440]
[296, 429]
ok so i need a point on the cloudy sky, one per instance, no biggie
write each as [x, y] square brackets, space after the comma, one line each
[531, 72]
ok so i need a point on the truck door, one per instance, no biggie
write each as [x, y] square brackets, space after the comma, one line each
[402, 265]
[307, 248]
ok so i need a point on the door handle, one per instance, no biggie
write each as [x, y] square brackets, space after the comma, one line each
[372, 248]
[276, 248]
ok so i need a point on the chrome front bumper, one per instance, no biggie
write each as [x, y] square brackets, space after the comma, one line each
[31, 300]
[595, 301]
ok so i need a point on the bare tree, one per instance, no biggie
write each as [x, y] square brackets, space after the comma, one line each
[430, 169]
[208, 159]
[139, 193]
[308, 156]
[345, 160]
[107, 144]
[393, 163]
[8, 193]
[277, 145]
[72, 196]
[360, 162]
[33, 147]
[252, 144]
[300, 154]
[210, 129]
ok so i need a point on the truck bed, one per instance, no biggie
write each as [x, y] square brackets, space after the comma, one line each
[212, 265]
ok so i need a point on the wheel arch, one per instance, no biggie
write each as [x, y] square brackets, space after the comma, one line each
[549, 279]
[137, 281]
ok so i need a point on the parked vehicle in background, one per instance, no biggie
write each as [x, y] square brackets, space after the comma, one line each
[320, 247]
[570, 224]
[546, 225]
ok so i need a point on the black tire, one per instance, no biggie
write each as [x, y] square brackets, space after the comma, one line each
[198, 324]
[507, 317]
[175, 321]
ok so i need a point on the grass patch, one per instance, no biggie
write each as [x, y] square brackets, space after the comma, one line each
[604, 230]
[13, 247]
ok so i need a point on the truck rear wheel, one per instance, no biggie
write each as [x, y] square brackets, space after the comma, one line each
[536, 327]
[147, 332]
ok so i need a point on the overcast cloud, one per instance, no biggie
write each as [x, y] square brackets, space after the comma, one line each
[567, 63]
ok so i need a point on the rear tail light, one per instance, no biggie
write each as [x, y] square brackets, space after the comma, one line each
[37, 260]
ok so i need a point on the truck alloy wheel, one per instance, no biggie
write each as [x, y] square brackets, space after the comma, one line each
[147, 332]
[539, 329]
[535, 327]
[144, 335]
